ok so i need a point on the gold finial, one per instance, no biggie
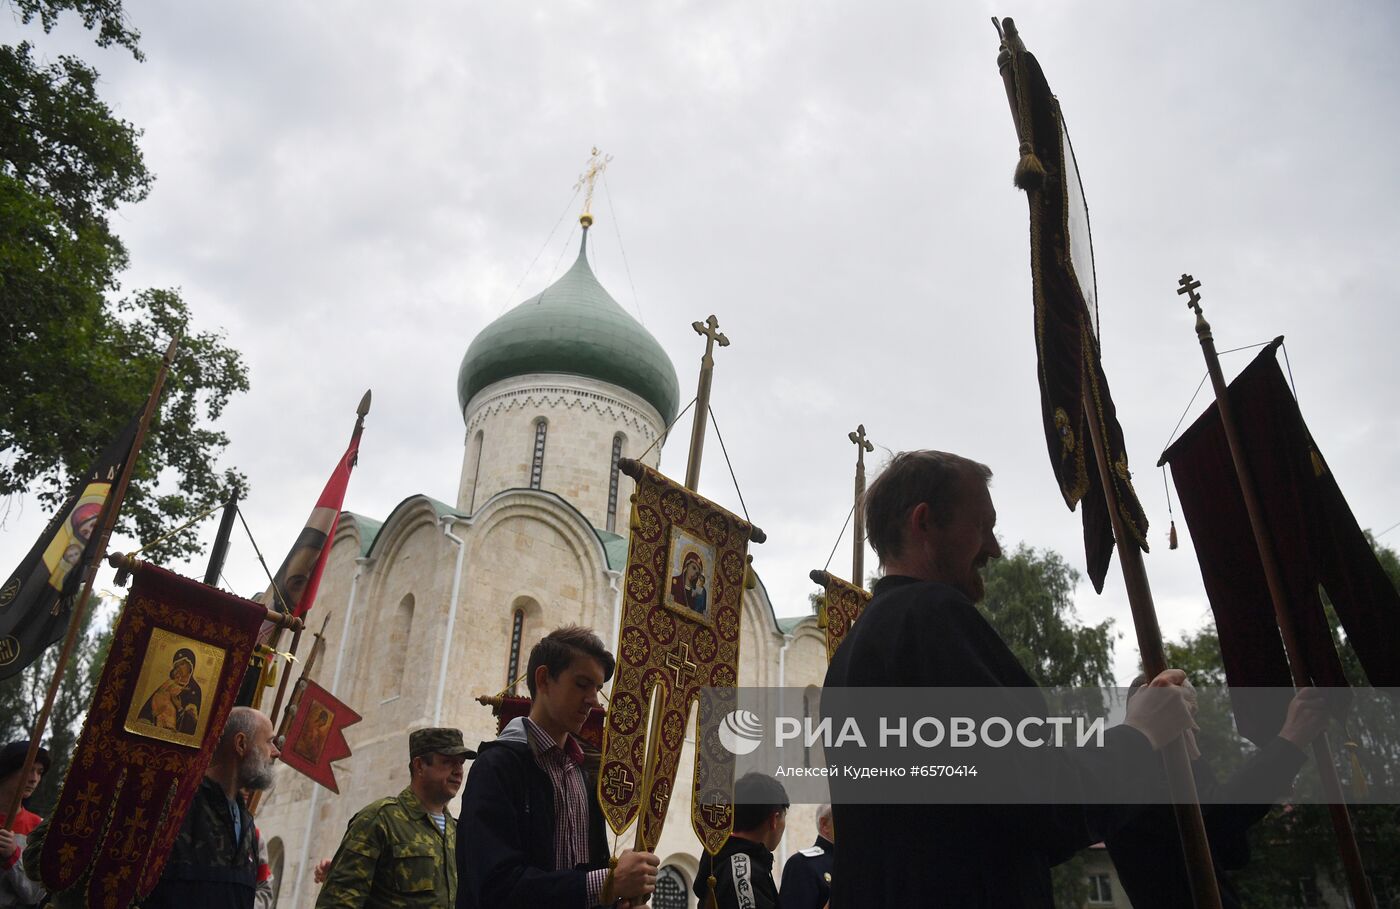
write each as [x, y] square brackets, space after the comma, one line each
[597, 163]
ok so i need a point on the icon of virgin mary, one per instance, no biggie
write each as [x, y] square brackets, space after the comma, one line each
[175, 704]
[688, 587]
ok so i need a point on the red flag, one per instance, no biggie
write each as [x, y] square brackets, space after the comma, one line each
[316, 735]
[294, 586]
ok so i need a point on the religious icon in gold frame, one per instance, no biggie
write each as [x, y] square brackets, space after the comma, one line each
[690, 569]
[169, 702]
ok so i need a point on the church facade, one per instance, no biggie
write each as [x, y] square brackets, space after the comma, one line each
[438, 603]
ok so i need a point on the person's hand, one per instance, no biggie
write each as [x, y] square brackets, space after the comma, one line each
[634, 878]
[323, 868]
[1163, 709]
[7, 845]
[1307, 717]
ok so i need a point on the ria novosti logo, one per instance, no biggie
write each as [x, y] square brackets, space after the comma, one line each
[741, 731]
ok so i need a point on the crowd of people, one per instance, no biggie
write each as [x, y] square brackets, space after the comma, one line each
[531, 833]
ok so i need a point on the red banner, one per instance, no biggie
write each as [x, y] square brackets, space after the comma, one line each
[177, 659]
[316, 736]
[844, 604]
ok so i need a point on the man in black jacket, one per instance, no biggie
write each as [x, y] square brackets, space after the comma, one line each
[531, 833]
[742, 874]
[931, 520]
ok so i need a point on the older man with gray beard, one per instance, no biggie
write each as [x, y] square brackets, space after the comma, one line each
[214, 863]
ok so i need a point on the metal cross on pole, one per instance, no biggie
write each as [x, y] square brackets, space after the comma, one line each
[710, 329]
[1263, 540]
[858, 556]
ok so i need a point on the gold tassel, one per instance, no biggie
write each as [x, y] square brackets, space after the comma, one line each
[1171, 536]
[1318, 467]
[712, 901]
[1030, 173]
[1359, 787]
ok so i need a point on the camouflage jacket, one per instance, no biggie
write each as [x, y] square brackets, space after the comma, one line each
[393, 857]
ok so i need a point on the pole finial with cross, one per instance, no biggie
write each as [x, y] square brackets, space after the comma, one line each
[710, 329]
[1189, 285]
[597, 163]
[858, 543]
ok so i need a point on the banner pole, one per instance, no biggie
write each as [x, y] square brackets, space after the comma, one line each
[1322, 752]
[75, 617]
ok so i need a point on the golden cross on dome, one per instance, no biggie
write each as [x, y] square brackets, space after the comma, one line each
[597, 163]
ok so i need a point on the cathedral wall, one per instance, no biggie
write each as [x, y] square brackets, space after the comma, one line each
[582, 416]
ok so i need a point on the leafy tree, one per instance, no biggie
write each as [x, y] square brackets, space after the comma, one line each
[22, 697]
[80, 359]
[1030, 603]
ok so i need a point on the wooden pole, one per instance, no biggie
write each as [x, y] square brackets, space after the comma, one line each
[858, 548]
[1181, 784]
[75, 618]
[295, 702]
[710, 329]
[1322, 751]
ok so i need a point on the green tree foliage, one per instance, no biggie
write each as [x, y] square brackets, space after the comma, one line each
[22, 697]
[1030, 603]
[104, 16]
[80, 359]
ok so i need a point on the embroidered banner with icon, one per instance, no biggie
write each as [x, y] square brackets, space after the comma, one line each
[687, 560]
[316, 735]
[844, 603]
[177, 658]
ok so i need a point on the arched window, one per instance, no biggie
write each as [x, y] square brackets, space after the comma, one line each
[477, 444]
[537, 462]
[517, 631]
[276, 858]
[612, 483]
[396, 660]
[671, 890]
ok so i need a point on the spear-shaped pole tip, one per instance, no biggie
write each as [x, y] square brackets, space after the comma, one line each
[363, 409]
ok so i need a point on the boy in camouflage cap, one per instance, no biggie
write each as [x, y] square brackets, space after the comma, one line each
[400, 852]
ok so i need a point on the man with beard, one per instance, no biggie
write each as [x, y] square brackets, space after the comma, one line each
[214, 863]
[931, 520]
[400, 852]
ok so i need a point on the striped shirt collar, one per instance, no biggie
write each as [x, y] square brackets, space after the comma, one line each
[542, 744]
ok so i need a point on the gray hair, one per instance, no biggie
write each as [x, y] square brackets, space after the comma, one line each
[936, 478]
[823, 811]
[240, 719]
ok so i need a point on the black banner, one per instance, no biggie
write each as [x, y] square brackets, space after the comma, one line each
[36, 599]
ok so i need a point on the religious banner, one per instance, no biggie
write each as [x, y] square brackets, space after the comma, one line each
[687, 559]
[316, 736]
[1314, 534]
[169, 681]
[1073, 386]
[844, 603]
[35, 600]
[297, 579]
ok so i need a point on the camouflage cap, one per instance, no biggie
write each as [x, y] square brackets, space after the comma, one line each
[440, 740]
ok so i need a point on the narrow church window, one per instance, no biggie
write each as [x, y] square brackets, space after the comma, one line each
[397, 643]
[537, 464]
[516, 631]
[477, 444]
[612, 483]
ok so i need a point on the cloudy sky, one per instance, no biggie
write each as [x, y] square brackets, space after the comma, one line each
[352, 191]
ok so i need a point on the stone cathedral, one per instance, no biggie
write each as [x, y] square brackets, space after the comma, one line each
[437, 603]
